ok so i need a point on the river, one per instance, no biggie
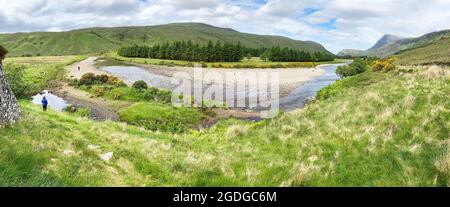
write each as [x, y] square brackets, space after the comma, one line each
[296, 99]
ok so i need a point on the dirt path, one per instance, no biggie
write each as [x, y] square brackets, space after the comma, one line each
[86, 66]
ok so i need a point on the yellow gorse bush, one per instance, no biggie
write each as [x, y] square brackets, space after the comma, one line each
[384, 65]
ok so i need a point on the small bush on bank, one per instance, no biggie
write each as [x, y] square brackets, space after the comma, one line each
[140, 85]
[102, 78]
[115, 81]
[99, 92]
[91, 79]
[87, 79]
[358, 66]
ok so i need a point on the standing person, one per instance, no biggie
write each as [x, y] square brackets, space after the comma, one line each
[79, 68]
[44, 103]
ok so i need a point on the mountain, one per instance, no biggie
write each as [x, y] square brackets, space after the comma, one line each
[432, 43]
[94, 40]
[351, 53]
[385, 40]
[381, 48]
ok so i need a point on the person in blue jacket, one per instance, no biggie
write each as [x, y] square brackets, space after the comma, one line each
[44, 103]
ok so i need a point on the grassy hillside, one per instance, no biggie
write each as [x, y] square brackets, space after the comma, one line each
[375, 129]
[436, 52]
[95, 40]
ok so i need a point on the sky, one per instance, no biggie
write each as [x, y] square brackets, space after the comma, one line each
[336, 24]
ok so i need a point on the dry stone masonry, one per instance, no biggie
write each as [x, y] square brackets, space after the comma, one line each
[9, 108]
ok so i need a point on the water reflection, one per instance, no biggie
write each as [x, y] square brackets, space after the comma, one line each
[54, 102]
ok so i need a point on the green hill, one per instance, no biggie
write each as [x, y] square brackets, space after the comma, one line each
[95, 40]
[435, 52]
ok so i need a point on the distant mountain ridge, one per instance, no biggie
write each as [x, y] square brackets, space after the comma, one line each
[390, 45]
[351, 52]
[385, 40]
[379, 49]
[95, 40]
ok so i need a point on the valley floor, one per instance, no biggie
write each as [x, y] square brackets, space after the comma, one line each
[373, 129]
[289, 78]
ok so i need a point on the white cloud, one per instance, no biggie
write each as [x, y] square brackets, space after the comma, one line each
[358, 23]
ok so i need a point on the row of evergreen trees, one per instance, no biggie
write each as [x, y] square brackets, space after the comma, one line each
[278, 54]
[219, 52]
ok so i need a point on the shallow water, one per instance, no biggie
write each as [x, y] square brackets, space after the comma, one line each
[54, 102]
[296, 99]
[132, 74]
[300, 96]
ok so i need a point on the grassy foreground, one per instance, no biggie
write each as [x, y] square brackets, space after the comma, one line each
[373, 129]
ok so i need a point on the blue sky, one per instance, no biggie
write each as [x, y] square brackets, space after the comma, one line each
[337, 24]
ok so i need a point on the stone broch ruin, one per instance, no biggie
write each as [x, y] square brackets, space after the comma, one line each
[9, 108]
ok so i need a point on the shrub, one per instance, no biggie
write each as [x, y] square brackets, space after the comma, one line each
[140, 85]
[3, 52]
[115, 81]
[384, 65]
[15, 74]
[150, 94]
[100, 91]
[102, 78]
[358, 66]
[87, 79]
[164, 96]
